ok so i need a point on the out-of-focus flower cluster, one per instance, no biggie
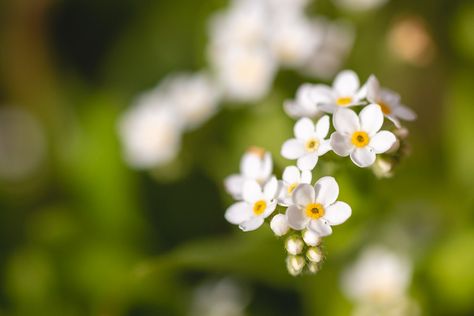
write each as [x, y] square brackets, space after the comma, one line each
[248, 42]
[309, 212]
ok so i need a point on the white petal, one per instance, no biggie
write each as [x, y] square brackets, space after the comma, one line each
[234, 184]
[266, 167]
[346, 121]
[371, 119]
[252, 191]
[308, 161]
[404, 113]
[338, 213]
[373, 89]
[363, 157]
[394, 120]
[270, 189]
[322, 94]
[324, 147]
[292, 149]
[382, 141]
[238, 213]
[251, 224]
[341, 144]
[291, 174]
[279, 225]
[346, 83]
[320, 227]
[322, 127]
[250, 165]
[306, 176]
[296, 218]
[304, 128]
[271, 206]
[327, 190]
[303, 194]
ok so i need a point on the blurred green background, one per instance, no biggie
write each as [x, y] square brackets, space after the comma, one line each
[83, 234]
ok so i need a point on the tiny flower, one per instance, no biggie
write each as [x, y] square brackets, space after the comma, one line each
[256, 164]
[303, 105]
[294, 245]
[359, 136]
[345, 92]
[292, 177]
[311, 238]
[314, 254]
[316, 207]
[279, 225]
[389, 102]
[257, 205]
[309, 143]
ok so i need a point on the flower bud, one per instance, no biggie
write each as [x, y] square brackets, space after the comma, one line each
[279, 225]
[294, 245]
[314, 254]
[382, 168]
[295, 264]
[313, 267]
[311, 238]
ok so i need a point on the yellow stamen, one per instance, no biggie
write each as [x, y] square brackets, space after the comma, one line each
[259, 207]
[343, 101]
[315, 210]
[360, 139]
[311, 145]
[385, 107]
[258, 151]
[292, 187]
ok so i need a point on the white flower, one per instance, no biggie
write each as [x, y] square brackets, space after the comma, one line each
[150, 132]
[389, 102]
[279, 225]
[303, 105]
[195, 97]
[379, 276]
[359, 136]
[316, 207]
[256, 164]
[309, 142]
[345, 92]
[257, 205]
[292, 177]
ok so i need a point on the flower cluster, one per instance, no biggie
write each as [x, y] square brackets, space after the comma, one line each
[310, 211]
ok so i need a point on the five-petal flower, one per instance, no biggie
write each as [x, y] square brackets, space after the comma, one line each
[292, 177]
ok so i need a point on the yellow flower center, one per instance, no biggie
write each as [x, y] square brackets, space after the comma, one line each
[384, 107]
[360, 139]
[311, 145]
[315, 210]
[292, 187]
[257, 151]
[259, 207]
[343, 101]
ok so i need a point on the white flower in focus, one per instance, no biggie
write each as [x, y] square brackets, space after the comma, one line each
[257, 205]
[245, 74]
[359, 136]
[316, 207]
[379, 276]
[150, 132]
[256, 164]
[195, 96]
[292, 177]
[293, 39]
[345, 92]
[389, 102]
[309, 142]
[303, 105]
[279, 225]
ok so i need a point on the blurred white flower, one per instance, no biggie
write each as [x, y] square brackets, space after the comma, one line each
[389, 102]
[379, 276]
[256, 164]
[22, 144]
[360, 5]
[221, 298]
[337, 40]
[150, 131]
[279, 225]
[304, 104]
[316, 207]
[292, 177]
[257, 205]
[195, 97]
[359, 136]
[289, 6]
[309, 142]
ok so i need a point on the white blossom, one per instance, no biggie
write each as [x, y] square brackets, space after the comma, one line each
[292, 177]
